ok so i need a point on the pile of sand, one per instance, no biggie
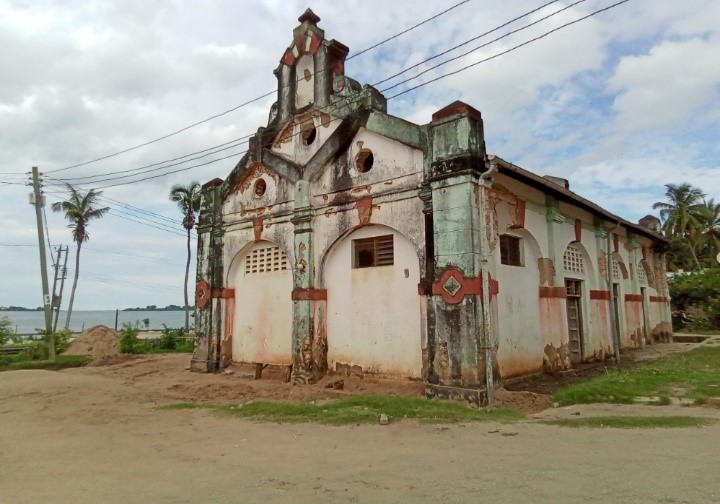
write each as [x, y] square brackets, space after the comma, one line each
[98, 342]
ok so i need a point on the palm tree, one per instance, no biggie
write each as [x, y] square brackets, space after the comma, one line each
[188, 200]
[710, 228]
[681, 214]
[79, 210]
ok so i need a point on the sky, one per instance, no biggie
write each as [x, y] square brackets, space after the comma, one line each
[620, 103]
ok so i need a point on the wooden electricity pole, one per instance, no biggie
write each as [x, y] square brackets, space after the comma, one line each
[36, 199]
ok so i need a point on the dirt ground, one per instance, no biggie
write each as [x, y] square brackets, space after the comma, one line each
[93, 434]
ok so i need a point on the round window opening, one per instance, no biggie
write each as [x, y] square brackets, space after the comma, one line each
[364, 160]
[260, 187]
[308, 135]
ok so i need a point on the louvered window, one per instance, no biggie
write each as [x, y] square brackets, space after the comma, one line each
[615, 269]
[573, 260]
[642, 277]
[371, 252]
[265, 260]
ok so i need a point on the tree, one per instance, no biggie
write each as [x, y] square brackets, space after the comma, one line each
[188, 200]
[79, 210]
[681, 215]
[709, 213]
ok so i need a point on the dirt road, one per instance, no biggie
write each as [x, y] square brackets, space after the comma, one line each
[93, 435]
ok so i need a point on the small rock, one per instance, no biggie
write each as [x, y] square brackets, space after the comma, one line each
[329, 385]
[575, 413]
[556, 405]
[229, 371]
[338, 385]
[384, 419]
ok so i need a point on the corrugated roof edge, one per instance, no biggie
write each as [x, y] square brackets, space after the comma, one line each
[538, 181]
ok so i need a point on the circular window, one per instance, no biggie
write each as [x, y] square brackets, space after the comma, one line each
[260, 187]
[364, 160]
[308, 135]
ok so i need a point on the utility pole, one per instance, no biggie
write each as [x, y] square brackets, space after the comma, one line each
[59, 274]
[36, 199]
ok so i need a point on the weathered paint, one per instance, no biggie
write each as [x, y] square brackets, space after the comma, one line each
[373, 316]
[263, 312]
[332, 165]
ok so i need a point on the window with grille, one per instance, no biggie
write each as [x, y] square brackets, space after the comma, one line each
[615, 269]
[265, 260]
[573, 260]
[642, 277]
[510, 250]
[375, 251]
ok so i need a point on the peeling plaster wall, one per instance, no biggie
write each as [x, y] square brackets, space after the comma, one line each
[373, 314]
[289, 142]
[519, 346]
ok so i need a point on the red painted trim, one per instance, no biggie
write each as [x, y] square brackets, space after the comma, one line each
[633, 298]
[309, 294]
[421, 289]
[552, 292]
[364, 207]
[468, 286]
[288, 58]
[457, 107]
[223, 293]
[600, 294]
[258, 228]
[212, 183]
[519, 214]
[658, 299]
[578, 230]
[616, 242]
[202, 293]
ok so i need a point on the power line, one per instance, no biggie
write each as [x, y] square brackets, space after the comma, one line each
[407, 30]
[375, 84]
[233, 109]
[239, 141]
[443, 53]
[454, 58]
[407, 80]
[151, 170]
[514, 48]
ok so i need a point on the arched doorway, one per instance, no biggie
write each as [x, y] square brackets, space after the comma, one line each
[262, 325]
[373, 306]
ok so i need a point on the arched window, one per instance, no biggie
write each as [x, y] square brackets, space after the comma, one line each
[573, 260]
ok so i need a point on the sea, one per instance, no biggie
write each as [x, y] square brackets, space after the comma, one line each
[28, 322]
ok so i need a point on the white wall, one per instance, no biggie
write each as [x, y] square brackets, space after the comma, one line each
[262, 321]
[374, 318]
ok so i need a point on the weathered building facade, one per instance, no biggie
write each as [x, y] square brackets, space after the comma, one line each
[352, 241]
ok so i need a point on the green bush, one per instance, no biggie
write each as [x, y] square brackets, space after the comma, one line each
[698, 289]
[129, 341]
[37, 350]
[169, 338]
[5, 334]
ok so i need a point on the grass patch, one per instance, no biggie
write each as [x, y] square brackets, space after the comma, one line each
[358, 409]
[61, 362]
[632, 422]
[694, 375]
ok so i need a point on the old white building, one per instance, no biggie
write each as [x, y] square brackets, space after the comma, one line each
[352, 241]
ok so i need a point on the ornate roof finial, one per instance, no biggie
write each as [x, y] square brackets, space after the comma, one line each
[309, 16]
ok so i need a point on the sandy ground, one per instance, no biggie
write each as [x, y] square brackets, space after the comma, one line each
[93, 435]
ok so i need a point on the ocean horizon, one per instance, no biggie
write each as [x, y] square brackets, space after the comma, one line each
[28, 322]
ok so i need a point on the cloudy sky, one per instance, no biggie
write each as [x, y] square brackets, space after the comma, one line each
[620, 103]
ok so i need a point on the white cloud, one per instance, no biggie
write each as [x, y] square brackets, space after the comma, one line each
[670, 83]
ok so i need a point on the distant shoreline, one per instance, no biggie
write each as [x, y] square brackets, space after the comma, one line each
[147, 308]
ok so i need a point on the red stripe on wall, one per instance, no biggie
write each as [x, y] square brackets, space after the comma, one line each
[600, 294]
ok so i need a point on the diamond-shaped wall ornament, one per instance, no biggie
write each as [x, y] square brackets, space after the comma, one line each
[452, 286]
